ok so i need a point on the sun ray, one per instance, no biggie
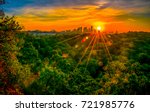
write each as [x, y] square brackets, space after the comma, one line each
[68, 39]
[107, 51]
[84, 53]
[101, 41]
[106, 46]
[89, 56]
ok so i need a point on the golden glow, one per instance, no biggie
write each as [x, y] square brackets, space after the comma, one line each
[99, 28]
[108, 19]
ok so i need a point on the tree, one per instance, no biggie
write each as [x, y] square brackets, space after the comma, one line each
[8, 29]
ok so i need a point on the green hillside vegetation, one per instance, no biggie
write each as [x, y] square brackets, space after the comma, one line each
[46, 64]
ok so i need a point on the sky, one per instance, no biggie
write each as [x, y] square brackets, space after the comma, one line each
[60, 15]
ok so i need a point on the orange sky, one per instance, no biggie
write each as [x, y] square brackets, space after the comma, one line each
[105, 14]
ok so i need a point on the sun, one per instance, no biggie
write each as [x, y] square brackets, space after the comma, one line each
[99, 28]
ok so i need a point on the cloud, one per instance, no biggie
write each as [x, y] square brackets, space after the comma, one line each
[107, 9]
[80, 8]
[77, 12]
[66, 2]
[140, 16]
[14, 5]
[125, 4]
[44, 3]
[130, 9]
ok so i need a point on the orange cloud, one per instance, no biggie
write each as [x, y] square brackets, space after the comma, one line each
[68, 18]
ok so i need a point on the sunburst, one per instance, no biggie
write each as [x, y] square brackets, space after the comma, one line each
[99, 28]
[93, 41]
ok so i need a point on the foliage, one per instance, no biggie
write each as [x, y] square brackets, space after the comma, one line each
[8, 77]
[46, 64]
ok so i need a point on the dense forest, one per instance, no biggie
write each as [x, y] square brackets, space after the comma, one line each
[51, 64]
